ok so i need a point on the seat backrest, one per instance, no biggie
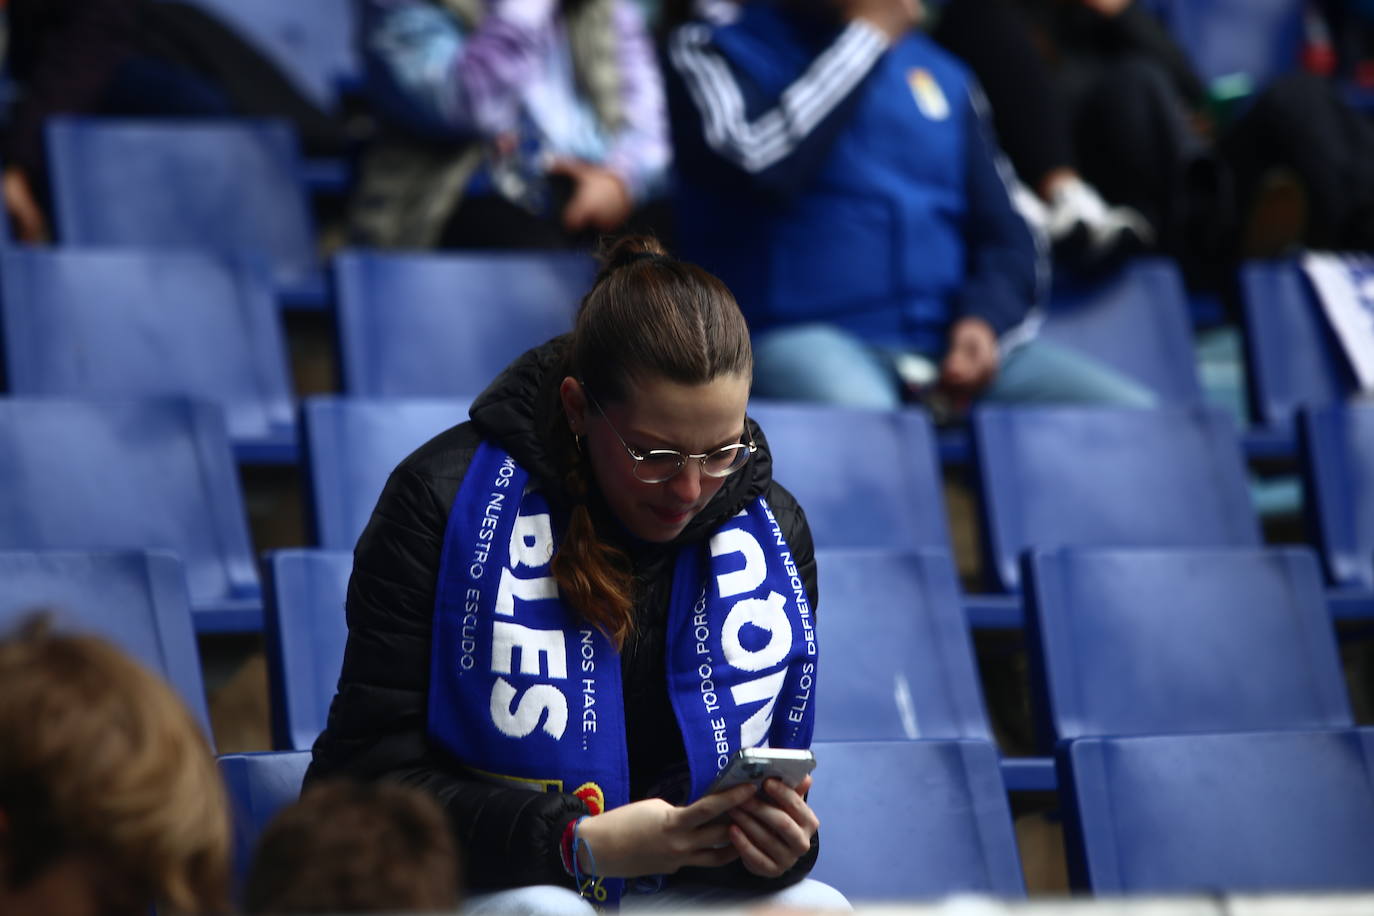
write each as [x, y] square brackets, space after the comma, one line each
[313, 42]
[1136, 321]
[444, 325]
[101, 475]
[1105, 477]
[1259, 38]
[1135, 642]
[895, 649]
[136, 599]
[305, 631]
[909, 820]
[1338, 464]
[1293, 357]
[259, 785]
[1257, 811]
[353, 444]
[222, 184]
[866, 478]
[89, 323]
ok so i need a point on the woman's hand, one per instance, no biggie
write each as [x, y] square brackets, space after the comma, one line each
[771, 836]
[652, 837]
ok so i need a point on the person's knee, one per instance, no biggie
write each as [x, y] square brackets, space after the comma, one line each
[810, 894]
[538, 900]
[818, 362]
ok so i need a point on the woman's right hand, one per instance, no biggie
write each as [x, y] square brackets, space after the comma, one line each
[652, 837]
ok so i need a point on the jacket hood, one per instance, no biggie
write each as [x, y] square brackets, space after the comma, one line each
[521, 409]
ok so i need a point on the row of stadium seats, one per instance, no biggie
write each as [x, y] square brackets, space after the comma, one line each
[160, 473]
[1194, 701]
[78, 321]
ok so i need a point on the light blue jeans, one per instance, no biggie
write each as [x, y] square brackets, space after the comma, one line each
[547, 900]
[819, 362]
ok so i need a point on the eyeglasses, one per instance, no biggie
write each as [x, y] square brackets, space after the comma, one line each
[661, 464]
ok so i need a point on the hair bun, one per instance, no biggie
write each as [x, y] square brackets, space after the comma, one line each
[628, 249]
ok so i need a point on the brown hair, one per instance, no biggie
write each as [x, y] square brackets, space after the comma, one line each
[99, 757]
[349, 847]
[648, 315]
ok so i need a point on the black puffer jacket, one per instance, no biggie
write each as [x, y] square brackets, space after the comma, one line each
[377, 722]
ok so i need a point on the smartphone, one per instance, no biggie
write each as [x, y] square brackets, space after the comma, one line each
[755, 764]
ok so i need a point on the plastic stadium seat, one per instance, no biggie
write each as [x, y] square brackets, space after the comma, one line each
[220, 184]
[136, 599]
[313, 42]
[119, 475]
[1136, 321]
[1338, 447]
[445, 325]
[259, 785]
[867, 478]
[1135, 642]
[909, 820]
[898, 660]
[88, 323]
[1261, 39]
[1258, 811]
[305, 631]
[351, 447]
[1294, 358]
[1102, 477]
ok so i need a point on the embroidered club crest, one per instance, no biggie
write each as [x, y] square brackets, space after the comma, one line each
[930, 98]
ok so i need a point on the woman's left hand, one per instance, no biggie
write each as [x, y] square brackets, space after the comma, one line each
[772, 834]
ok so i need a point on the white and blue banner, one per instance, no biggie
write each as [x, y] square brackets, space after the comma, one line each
[524, 691]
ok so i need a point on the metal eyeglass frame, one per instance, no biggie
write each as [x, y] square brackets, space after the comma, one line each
[682, 457]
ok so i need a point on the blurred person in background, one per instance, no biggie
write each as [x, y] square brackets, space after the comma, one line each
[839, 172]
[511, 123]
[110, 800]
[348, 847]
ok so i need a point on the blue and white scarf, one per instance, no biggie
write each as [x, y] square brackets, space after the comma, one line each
[523, 691]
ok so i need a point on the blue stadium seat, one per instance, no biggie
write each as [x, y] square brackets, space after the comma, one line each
[119, 475]
[352, 445]
[1338, 453]
[897, 655]
[136, 599]
[873, 480]
[1294, 358]
[227, 185]
[1261, 39]
[1253, 812]
[444, 325]
[304, 631]
[259, 785]
[911, 820]
[313, 42]
[1136, 321]
[86, 323]
[1136, 642]
[1100, 477]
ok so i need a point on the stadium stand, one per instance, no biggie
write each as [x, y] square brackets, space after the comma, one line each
[898, 659]
[1137, 321]
[1259, 39]
[120, 475]
[1293, 357]
[304, 633]
[1137, 642]
[1338, 453]
[226, 185]
[136, 599]
[1069, 477]
[84, 323]
[914, 820]
[351, 446]
[445, 325]
[259, 785]
[1241, 812]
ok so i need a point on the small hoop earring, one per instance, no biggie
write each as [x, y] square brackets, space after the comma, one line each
[577, 442]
